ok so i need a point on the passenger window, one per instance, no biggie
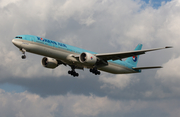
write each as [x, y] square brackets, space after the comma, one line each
[19, 37]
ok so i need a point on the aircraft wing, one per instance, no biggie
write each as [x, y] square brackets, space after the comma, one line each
[121, 55]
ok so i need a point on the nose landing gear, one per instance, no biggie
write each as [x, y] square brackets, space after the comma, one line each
[23, 56]
[23, 53]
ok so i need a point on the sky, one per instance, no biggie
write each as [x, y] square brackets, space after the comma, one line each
[156, 3]
[28, 89]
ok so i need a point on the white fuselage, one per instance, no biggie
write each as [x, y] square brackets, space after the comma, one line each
[66, 56]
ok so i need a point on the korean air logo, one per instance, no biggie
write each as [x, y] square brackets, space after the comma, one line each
[91, 58]
[42, 39]
[134, 58]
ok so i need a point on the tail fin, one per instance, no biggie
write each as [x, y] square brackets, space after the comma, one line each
[134, 59]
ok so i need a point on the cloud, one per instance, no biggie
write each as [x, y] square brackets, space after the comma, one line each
[170, 77]
[170, 70]
[109, 26]
[27, 104]
[5, 3]
[118, 81]
[97, 25]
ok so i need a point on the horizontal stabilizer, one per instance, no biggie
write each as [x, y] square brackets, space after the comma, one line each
[139, 68]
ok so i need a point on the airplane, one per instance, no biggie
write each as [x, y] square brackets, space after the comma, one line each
[58, 53]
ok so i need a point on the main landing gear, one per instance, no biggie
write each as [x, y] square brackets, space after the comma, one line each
[73, 72]
[23, 53]
[95, 71]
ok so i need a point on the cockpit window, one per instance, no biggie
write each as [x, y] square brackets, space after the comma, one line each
[18, 37]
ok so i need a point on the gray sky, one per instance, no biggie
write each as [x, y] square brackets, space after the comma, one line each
[27, 89]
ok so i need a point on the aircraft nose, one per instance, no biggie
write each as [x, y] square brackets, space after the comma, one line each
[16, 42]
[13, 41]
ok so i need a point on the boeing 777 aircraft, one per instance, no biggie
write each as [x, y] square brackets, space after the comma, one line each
[57, 53]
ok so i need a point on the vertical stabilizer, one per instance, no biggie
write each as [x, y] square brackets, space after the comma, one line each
[134, 59]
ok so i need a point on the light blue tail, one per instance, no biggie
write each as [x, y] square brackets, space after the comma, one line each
[134, 59]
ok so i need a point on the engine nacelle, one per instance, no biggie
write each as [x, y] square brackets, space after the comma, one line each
[49, 62]
[87, 58]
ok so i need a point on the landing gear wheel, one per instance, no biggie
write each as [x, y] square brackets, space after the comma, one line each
[76, 74]
[69, 72]
[73, 73]
[98, 72]
[23, 57]
[95, 71]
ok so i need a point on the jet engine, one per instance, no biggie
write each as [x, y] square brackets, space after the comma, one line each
[49, 62]
[87, 58]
